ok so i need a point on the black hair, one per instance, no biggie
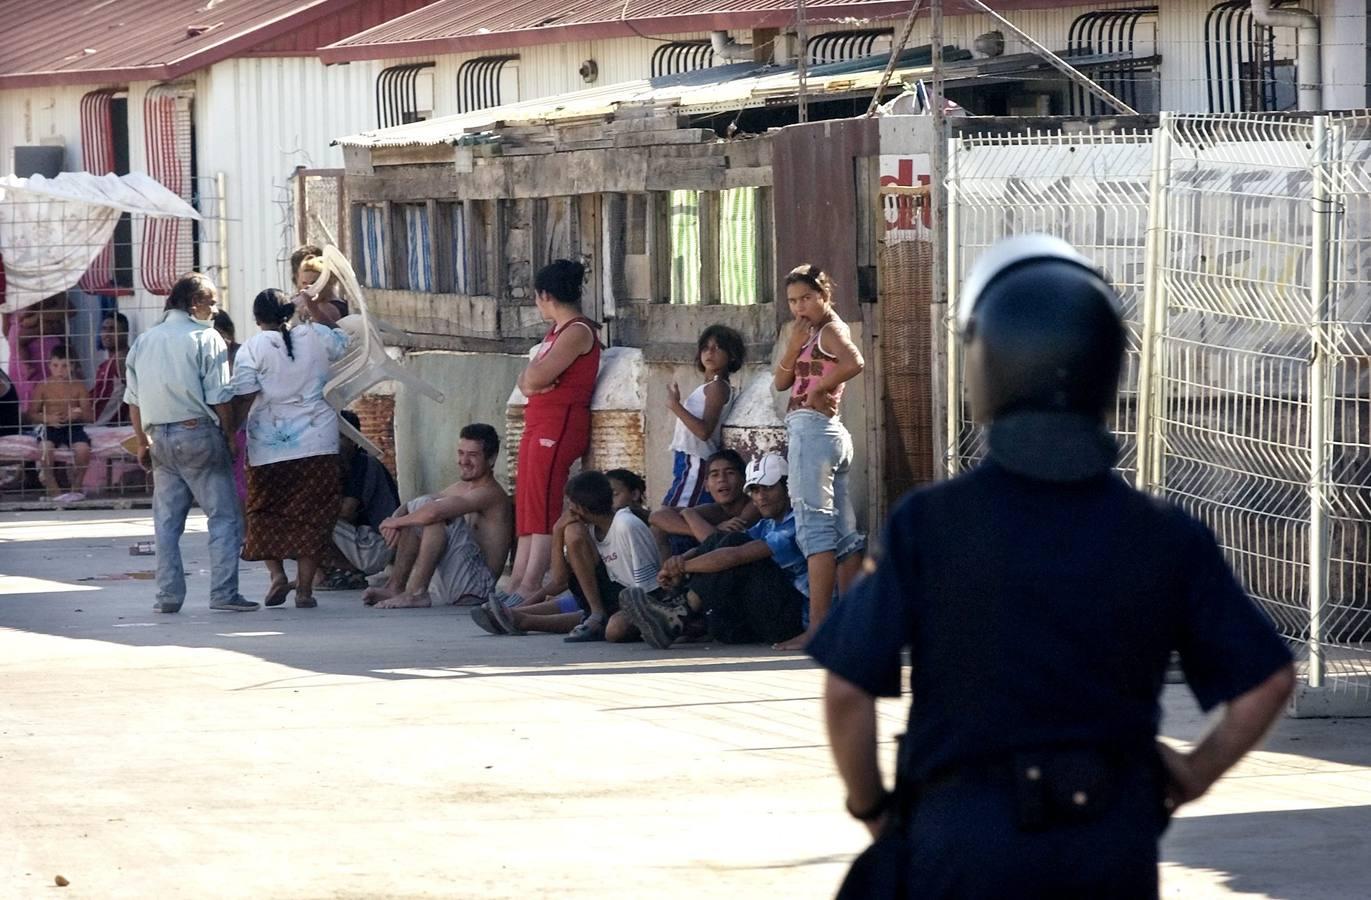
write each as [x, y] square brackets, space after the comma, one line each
[592, 491]
[60, 351]
[728, 340]
[272, 311]
[121, 328]
[486, 434]
[732, 457]
[224, 322]
[813, 276]
[631, 480]
[350, 417]
[188, 288]
[561, 279]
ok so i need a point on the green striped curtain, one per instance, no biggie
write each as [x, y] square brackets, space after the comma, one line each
[685, 247]
[738, 246]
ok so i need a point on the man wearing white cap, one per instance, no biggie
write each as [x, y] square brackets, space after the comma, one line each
[746, 587]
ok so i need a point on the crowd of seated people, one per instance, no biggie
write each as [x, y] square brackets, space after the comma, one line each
[734, 552]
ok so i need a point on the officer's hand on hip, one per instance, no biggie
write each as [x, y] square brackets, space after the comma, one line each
[1183, 783]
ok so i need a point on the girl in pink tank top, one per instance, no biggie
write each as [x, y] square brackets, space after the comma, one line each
[818, 360]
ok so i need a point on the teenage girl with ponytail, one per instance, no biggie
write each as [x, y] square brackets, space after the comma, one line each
[293, 485]
[558, 382]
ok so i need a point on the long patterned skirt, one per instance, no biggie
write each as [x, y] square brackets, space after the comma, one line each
[291, 508]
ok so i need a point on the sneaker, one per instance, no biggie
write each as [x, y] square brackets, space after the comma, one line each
[661, 622]
[237, 604]
[166, 606]
[592, 629]
[485, 620]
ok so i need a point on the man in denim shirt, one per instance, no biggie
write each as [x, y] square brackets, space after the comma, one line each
[179, 397]
[746, 587]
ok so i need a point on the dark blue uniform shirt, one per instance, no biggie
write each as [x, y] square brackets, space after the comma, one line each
[1040, 614]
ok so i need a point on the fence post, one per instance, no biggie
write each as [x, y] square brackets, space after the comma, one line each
[952, 457]
[1318, 405]
[221, 185]
[1154, 298]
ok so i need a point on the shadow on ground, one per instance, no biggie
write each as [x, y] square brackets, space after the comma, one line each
[1311, 854]
[84, 585]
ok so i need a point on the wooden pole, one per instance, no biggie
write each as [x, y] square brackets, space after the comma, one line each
[802, 34]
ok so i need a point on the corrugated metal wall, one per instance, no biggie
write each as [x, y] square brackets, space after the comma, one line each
[258, 119]
[33, 116]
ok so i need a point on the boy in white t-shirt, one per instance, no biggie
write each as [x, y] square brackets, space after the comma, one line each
[606, 552]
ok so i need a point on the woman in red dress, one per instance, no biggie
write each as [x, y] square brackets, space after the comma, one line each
[558, 382]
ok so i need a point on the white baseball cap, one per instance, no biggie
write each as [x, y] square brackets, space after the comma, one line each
[764, 471]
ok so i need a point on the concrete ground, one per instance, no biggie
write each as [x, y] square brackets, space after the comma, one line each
[346, 752]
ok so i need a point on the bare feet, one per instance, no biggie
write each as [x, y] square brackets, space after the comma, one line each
[406, 601]
[373, 595]
[798, 642]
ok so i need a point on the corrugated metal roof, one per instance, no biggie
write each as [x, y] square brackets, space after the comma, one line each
[104, 41]
[452, 26]
[703, 91]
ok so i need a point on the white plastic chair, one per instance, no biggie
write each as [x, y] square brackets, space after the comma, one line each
[366, 363]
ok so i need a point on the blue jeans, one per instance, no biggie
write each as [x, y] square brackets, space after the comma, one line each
[819, 457]
[193, 461]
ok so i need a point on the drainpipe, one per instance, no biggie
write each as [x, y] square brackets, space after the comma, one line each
[726, 48]
[1308, 64]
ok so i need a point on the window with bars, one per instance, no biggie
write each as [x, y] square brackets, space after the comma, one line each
[105, 149]
[169, 245]
[404, 94]
[837, 46]
[679, 57]
[487, 81]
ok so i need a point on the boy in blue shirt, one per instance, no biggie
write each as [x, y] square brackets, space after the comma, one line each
[745, 587]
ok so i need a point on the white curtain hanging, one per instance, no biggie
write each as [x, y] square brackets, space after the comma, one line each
[52, 229]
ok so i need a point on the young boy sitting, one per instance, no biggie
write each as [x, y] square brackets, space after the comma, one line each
[679, 529]
[58, 406]
[607, 552]
[746, 587]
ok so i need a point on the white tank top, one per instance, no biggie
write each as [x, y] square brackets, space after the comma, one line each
[683, 440]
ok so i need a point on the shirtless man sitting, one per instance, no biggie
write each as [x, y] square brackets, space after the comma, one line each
[731, 511]
[452, 546]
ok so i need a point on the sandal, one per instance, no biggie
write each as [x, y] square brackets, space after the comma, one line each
[590, 629]
[277, 594]
[307, 602]
[485, 621]
[500, 614]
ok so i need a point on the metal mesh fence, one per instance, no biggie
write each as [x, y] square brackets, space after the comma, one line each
[63, 357]
[1247, 393]
[1092, 190]
[1232, 426]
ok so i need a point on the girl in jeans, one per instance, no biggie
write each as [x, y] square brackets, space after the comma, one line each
[818, 360]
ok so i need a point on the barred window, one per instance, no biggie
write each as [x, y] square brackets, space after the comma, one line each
[404, 94]
[487, 81]
[681, 56]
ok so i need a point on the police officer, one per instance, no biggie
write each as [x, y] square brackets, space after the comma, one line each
[1040, 598]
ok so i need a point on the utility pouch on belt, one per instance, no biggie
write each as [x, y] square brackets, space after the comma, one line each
[1062, 786]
